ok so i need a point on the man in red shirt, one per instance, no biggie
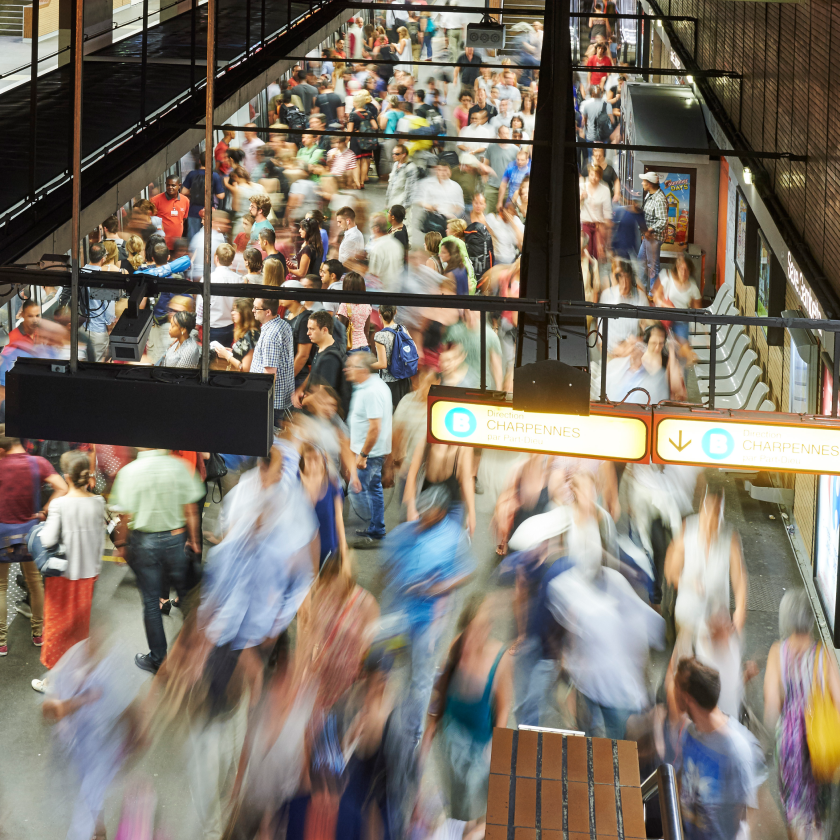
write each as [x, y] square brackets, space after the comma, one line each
[17, 507]
[221, 152]
[24, 335]
[172, 207]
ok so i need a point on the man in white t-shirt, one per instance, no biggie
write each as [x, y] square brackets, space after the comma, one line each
[250, 145]
[504, 116]
[353, 242]
[473, 134]
[221, 323]
[441, 194]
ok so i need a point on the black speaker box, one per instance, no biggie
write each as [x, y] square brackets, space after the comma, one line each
[128, 405]
[551, 387]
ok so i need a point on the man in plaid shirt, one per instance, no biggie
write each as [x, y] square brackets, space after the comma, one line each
[656, 217]
[274, 354]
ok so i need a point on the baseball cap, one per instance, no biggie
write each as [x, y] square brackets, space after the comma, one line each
[653, 177]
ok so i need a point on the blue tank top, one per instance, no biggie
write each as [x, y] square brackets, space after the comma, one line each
[475, 715]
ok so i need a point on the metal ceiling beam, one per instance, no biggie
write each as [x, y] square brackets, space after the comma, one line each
[673, 150]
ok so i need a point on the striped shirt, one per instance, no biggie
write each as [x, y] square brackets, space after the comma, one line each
[275, 350]
[656, 213]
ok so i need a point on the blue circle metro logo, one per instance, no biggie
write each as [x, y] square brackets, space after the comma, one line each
[460, 422]
[718, 443]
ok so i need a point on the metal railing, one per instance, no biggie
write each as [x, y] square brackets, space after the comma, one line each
[662, 783]
[11, 19]
[257, 41]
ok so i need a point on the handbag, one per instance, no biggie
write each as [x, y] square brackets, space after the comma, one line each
[349, 327]
[434, 223]
[51, 562]
[215, 469]
[822, 724]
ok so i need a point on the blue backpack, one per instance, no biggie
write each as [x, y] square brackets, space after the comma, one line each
[404, 355]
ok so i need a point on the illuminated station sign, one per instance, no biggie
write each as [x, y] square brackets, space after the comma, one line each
[748, 440]
[736, 439]
[470, 418]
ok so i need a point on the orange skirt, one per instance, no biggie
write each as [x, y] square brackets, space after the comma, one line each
[67, 605]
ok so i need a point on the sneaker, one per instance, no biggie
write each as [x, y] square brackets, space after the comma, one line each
[37, 641]
[363, 532]
[4, 650]
[367, 542]
[40, 686]
[144, 662]
[24, 609]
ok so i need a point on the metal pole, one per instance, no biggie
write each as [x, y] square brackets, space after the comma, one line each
[143, 61]
[33, 98]
[605, 343]
[76, 224]
[208, 191]
[262, 23]
[289, 13]
[483, 349]
[669, 802]
[247, 27]
[836, 375]
[712, 364]
[193, 15]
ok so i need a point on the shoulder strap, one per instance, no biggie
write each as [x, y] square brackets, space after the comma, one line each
[492, 676]
[36, 485]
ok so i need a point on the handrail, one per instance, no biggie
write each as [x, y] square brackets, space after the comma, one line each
[669, 802]
[663, 783]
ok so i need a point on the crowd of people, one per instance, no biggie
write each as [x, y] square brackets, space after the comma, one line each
[312, 705]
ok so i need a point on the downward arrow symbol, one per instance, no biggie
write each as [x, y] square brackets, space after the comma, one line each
[679, 447]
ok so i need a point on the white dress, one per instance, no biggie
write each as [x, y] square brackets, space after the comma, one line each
[405, 55]
[704, 582]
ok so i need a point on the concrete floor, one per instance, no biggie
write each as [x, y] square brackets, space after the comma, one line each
[33, 805]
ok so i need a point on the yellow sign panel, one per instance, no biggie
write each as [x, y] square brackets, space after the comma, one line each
[762, 446]
[616, 437]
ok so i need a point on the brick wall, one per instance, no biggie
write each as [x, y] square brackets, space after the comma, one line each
[784, 102]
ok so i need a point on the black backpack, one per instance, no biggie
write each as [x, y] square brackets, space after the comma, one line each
[295, 118]
[345, 388]
[367, 126]
[479, 248]
[603, 125]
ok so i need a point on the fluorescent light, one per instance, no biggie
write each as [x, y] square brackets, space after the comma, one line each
[747, 175]
[690, 79]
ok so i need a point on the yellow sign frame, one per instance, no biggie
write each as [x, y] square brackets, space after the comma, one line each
[470, 418]
[748, 440]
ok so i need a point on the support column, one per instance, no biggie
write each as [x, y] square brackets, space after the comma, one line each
[99, 18]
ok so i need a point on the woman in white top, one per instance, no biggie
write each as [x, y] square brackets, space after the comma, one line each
[403, 49]
[701, 564]
[243, 189]
[675, 287]
[595, 211]
[76, 522]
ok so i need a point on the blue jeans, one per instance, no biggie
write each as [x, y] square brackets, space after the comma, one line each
[533, 678]
[649, 258]
[426, 46]
[149, 555]
[372, 498]
[192, 227]
[425, 644]
[224, 335]
[613, 721]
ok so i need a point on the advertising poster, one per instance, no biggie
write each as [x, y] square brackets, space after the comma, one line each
[828, 528]
[762, 299]
[741, 235]
[677, 189]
